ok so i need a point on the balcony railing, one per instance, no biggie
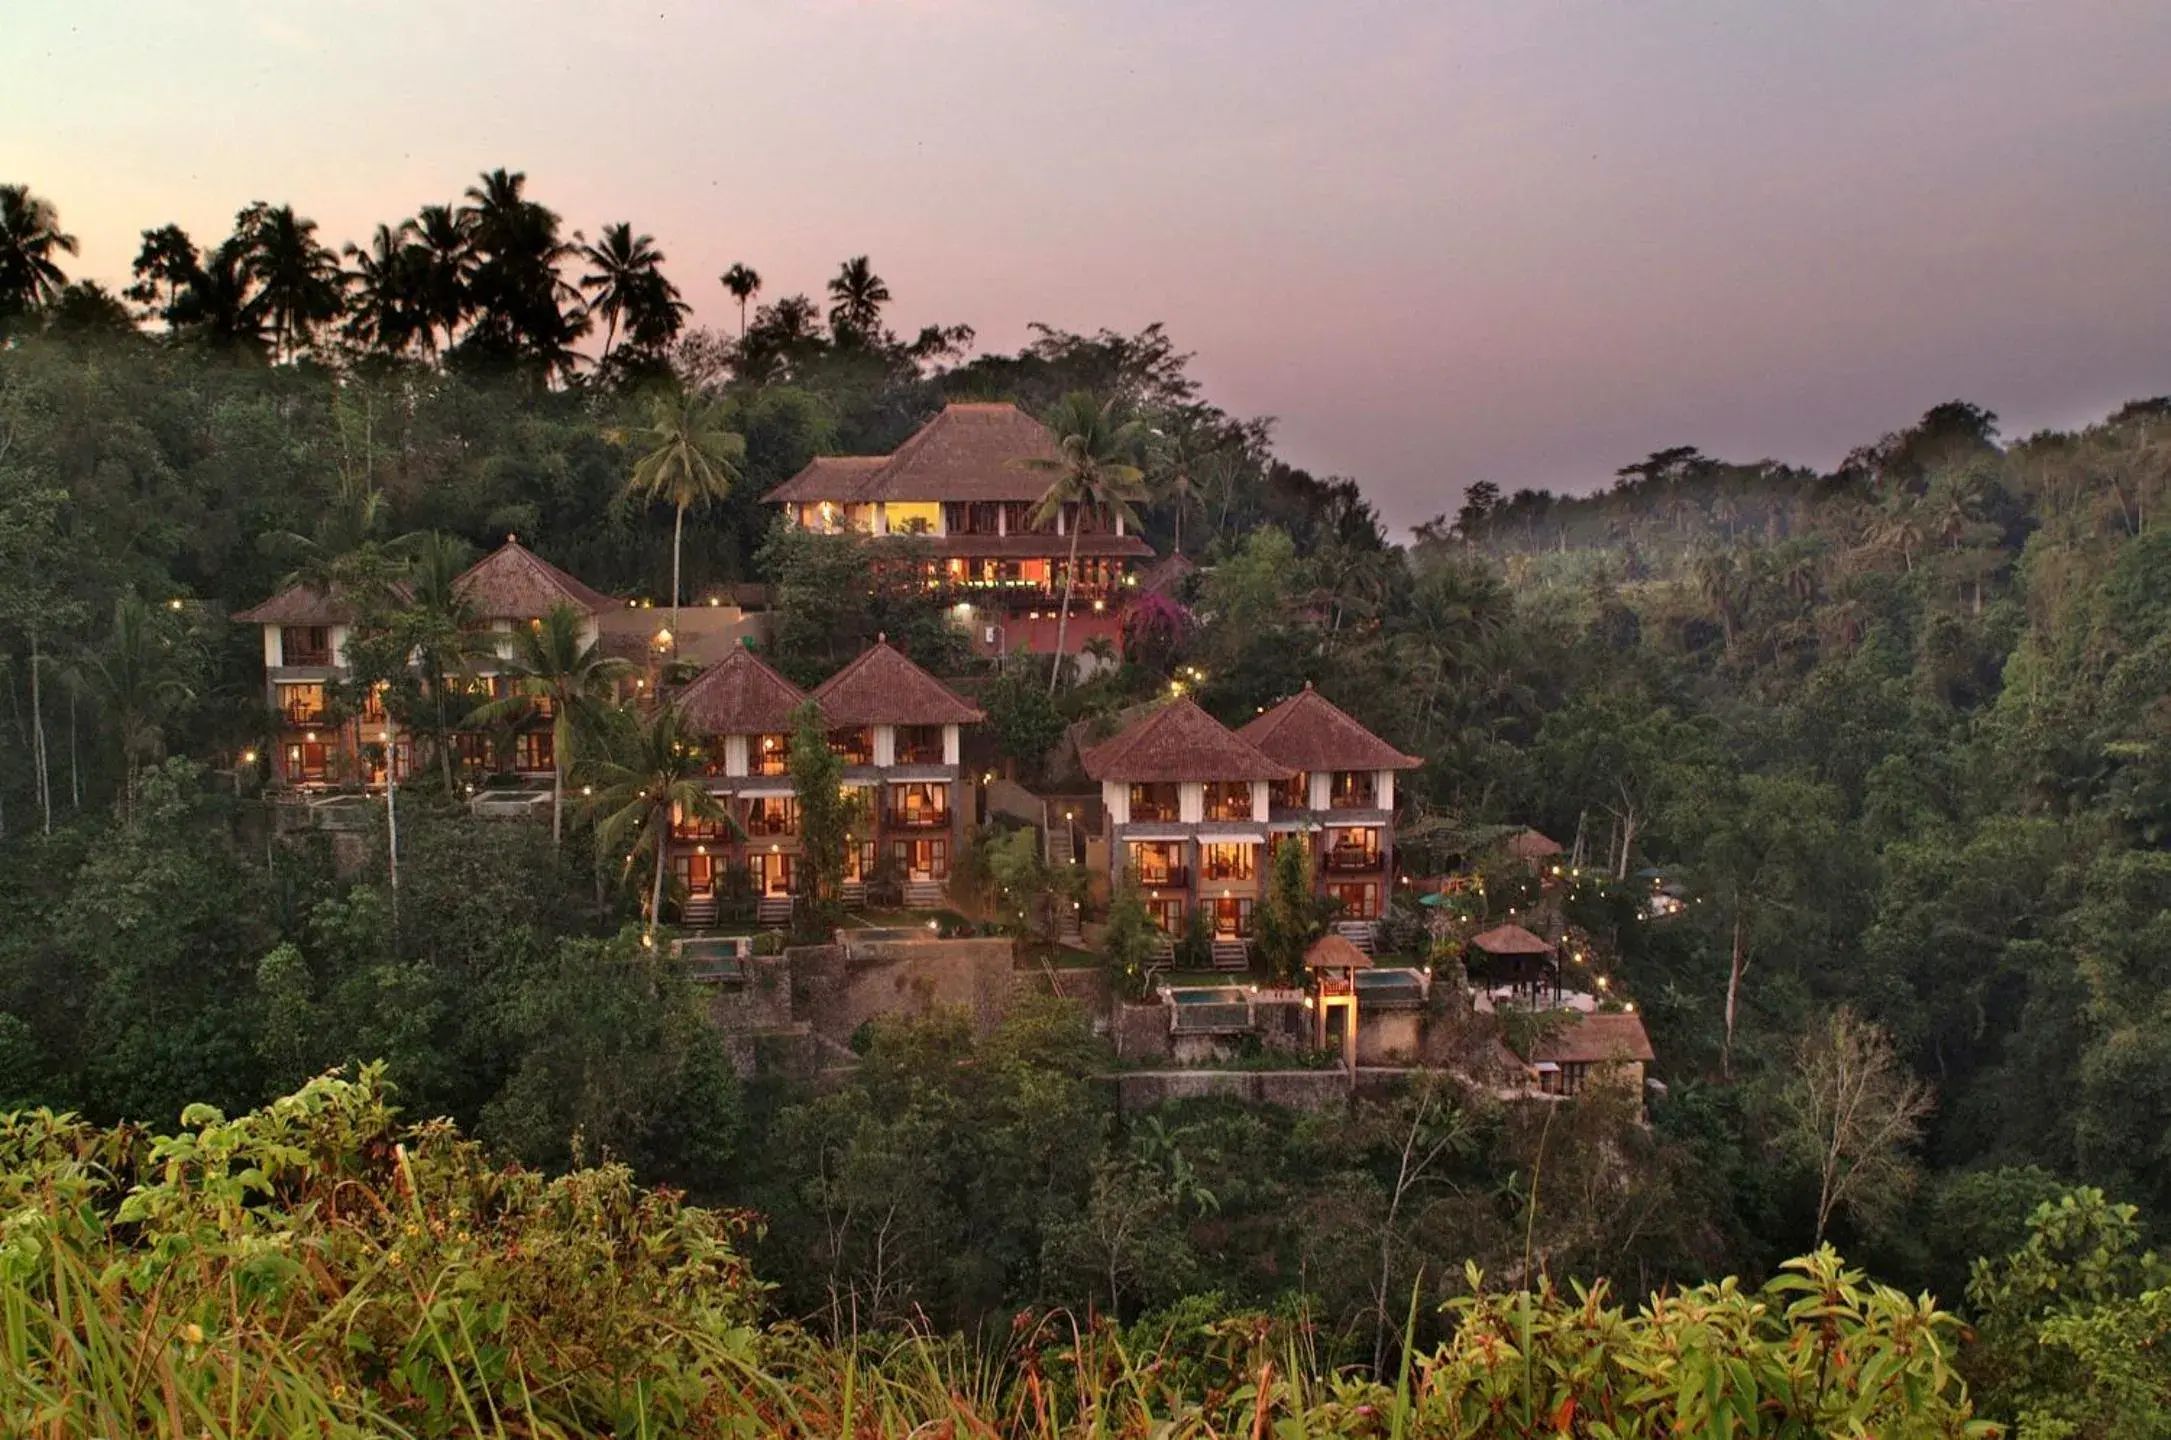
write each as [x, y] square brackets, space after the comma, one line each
[299, 714]
[919, 754]
[917, 819]
[771, 826]
[1228, 870]
[1148, 810]
[303, 655]
[1351, 862]
[1166, 877]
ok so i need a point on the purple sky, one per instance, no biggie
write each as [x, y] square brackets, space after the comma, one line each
[1527, 240]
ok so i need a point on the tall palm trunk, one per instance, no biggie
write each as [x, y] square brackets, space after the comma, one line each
[37, 730]
[663, 860]
[1062, 624]
[391, 811]
[559, 734]
[678, 534]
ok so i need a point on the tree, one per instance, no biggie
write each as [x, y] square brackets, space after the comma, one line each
[440, 629]
[827, 813]
[690, 456]
[1092, 474]
[1853, 1112]
[30, 236]
[139, 679]
[857, 296]
[656, 780]
[744, 283]
[1129, 1239]
[444, 265]
[387, 314]
[1024, 720]
[1130, 939]
[554, 669]
[164, 268]
[303, 286]
[525, 313]
[627, 284]
[1291, 915]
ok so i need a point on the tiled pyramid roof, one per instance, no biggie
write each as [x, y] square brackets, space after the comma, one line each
[1597, 1039]
[882, 687]
[1309, 732]
[1179, 741]
[740, 695]
[512, 582]
[972, 450]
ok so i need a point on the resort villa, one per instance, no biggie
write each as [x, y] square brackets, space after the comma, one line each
[1192, 807]
[896, 728]
[964, 488]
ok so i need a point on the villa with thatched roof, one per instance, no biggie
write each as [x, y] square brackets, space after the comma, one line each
[964, 486]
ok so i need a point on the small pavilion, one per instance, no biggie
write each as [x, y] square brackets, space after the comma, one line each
[1526, 962]
[1334, 962]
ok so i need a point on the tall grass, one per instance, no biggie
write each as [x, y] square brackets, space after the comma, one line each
[317, 1269]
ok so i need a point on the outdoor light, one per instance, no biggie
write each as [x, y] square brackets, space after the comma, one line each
[248, 757]
[174, 604]
[663, 639]
[714, 602]
[1604, 983]
[1630, 1007]
[311, 737]
[934, 925]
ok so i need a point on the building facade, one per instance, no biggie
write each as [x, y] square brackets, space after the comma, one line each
[964, 488]
[898, 731]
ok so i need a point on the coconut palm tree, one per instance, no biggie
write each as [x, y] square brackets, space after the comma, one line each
[626, 267]
[744, 283]
[222, 303]
[387, 314]
[857, 295]
[658, 776]
[30, 236]
[554, 670]
[1092, 473]
[443, 632]
[520, 301]
[690, 455]
[303, 286]
[444, 266]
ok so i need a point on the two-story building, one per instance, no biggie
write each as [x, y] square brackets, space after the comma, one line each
[321, 742]
[1188, 806]
[898, 731]
[1193, 808]
[1338, 797]
[966, 485]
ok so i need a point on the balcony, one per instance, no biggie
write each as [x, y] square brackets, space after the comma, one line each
[1229, 870]
[771, 825]
[301, 714]
[1166, 877]
[917, 819]
[1353, 792]
[1350, 860]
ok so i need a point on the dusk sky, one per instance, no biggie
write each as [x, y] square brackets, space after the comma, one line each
[1526, 241]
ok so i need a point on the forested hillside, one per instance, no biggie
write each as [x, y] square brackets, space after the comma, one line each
[1899, 734]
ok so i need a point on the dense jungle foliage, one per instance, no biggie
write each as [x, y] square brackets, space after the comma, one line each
[1899, 731]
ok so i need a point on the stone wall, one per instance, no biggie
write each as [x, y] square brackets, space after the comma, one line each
[836, 993]
[1140, 1032]
[1320, 1091]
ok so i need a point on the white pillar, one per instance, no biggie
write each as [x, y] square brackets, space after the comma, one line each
[885, 746]
[1191, 802]
[1322, 789]
[274, 648]
[1386, 790]
[951, 750]
[734, 754]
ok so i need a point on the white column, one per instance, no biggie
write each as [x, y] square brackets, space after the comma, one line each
[1322, 789]
[951, 749]
[1191, 802]
[734, 754]
[881, 517]
[1116, 800]
[885, 746]
[1386, 790]
[1259, 800]
[274, 648]
[339, 646]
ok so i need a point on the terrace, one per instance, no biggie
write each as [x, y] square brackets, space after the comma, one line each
[919, 745]
[1157, 801]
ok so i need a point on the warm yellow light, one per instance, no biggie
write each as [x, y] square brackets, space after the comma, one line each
[311, 737]
[174, 604]
[248, 757]
[663, 639]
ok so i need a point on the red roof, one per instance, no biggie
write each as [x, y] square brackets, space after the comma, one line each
[515, 583]
[1179, 741]
[970, 451]
[882, 687]
[740, 695]
[1511, 940]
[1309, 732]
[1596, 1039]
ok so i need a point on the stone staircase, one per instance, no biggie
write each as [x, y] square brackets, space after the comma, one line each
[774, 911]
[1356, 932]
[1067, 931]
[1061, 845]
[923, 895]
[854, 893]
[1230, 954]
[1164, 949]
[698, 912]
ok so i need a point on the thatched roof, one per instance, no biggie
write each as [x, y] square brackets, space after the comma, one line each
[740, 695]
[882, 687]
[1333, 952]
[1309, 732]
[1178, 742]
[1530, 845]
[1595, 1040]
[1510, 940]
[299, 605]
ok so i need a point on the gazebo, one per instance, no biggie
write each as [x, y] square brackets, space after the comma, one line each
[1527, 961]
[1334, 963]
[1540, 852]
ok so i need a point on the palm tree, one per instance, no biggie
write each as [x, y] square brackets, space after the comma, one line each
[303, 284]
[626, 265]
[133, 678]
[638, 793]
[519, 298]
[441, 630]
[690, 456]
[30, 235]
[859, 295]
[1092, 473]
[744, 283]
[444, 266]
[223, 303]
[387, 315]
[554, 670]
